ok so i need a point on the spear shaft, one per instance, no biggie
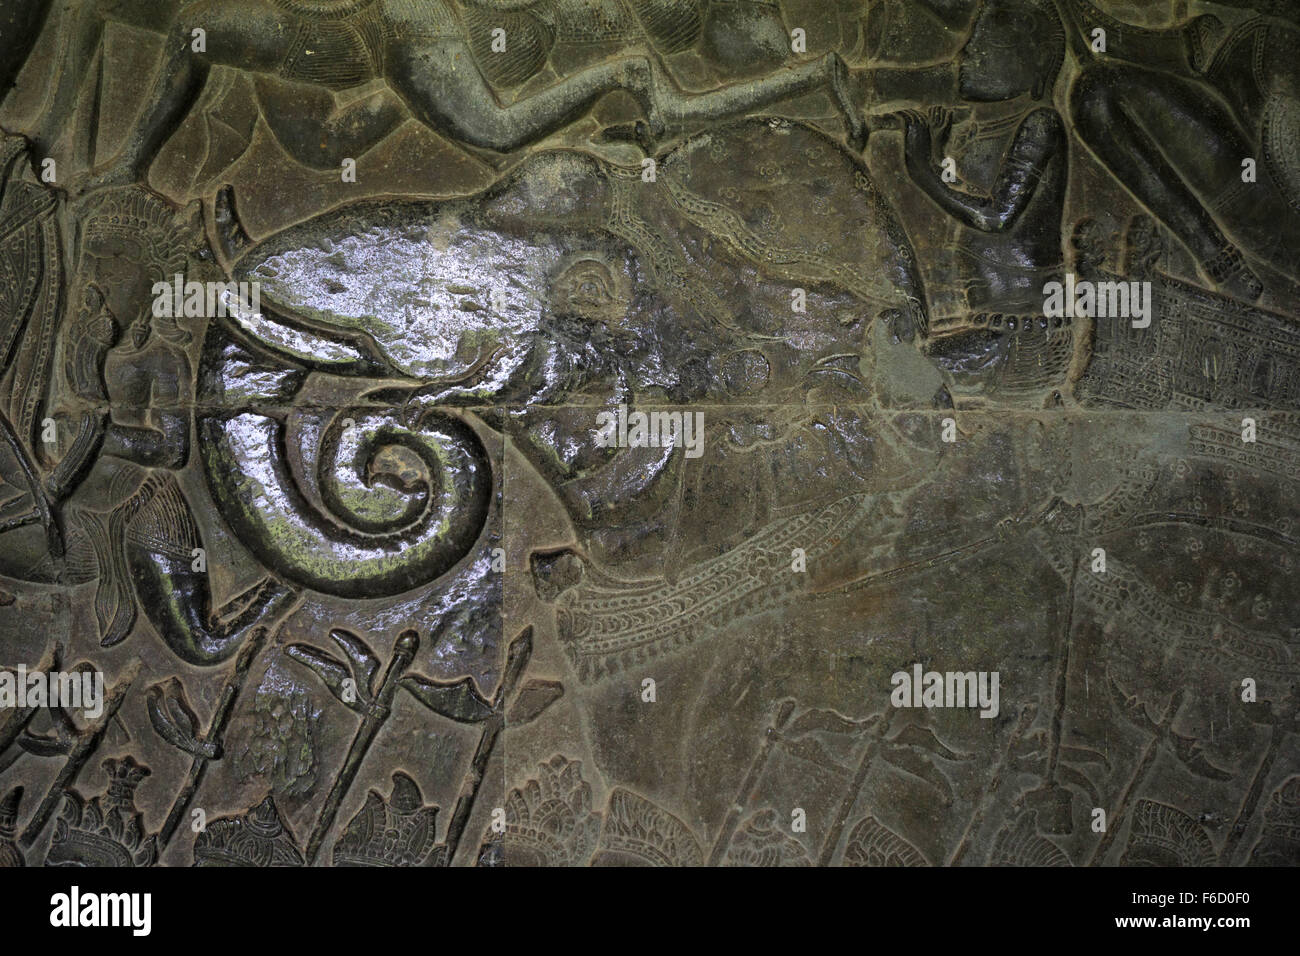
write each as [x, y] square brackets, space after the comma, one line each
[732, 819]
[216, 731]
[521, 649]
[17, 721]
[1239, 825]
[990, 791]
[376, 714]
[86, 745]
[1159, 730]
[851, 795]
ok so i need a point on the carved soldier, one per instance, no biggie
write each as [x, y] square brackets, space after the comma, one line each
[1007, 191]
[122, 393]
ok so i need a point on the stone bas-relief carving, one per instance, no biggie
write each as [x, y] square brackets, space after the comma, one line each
[648, 432]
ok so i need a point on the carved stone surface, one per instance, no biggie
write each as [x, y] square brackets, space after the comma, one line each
[649, 432]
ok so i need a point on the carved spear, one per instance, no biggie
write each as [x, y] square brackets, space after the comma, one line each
[86, 742]
[1277, 732]
[17, 720]
[375, 706]
[784, 710]
[458, 700]
[855, 788]
[175, 721]
[1159, 730]
[520, 650]
[991, 790]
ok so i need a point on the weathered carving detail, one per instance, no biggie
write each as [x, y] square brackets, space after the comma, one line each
[258, 837]
[399, 831]
[1166, 836]
[549, 821]
[870, 843]
[732, 360]
[105, 830]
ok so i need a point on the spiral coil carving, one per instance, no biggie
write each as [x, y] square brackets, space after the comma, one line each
[375, 508]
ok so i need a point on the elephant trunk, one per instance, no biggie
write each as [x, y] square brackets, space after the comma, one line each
[374, 508]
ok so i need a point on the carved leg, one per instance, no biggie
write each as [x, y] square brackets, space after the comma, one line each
[459, 102]
[237, 33]
[1169, 141]
[293, 111]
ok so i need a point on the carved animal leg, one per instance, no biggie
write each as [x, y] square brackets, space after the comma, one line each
[175, 593]
[177, 601]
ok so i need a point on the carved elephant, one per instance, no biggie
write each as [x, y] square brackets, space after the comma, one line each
[749, 261]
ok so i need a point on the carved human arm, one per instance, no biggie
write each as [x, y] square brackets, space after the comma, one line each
[167, 445]
[76, 464]
[1040, 136]
[93, 334]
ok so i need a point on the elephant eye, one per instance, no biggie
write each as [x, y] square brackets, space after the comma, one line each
[587, 289]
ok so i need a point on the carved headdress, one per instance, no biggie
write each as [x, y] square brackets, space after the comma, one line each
[259, 837]
[106, 830]
[163, 233]
[399, 831]
[1036, 22]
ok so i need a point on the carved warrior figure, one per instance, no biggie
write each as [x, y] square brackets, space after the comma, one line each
[117, 387]
[445, 60]
[1175, 114]
[1015, 171]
